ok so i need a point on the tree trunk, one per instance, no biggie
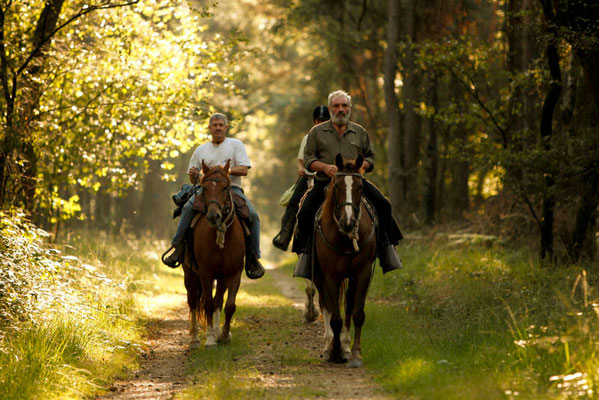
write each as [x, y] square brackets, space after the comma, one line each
[394, 146]
[432, 156]
[583, 238]
[153, 198]
[547, 129]
[410, 124]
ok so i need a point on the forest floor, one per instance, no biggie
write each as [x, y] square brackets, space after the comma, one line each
[167, 371]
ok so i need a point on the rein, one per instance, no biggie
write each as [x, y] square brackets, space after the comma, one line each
[226, 222]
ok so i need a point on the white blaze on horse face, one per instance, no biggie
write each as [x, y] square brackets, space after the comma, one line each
[348, 199]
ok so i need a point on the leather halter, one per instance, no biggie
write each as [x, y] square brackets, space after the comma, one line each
[225, 222]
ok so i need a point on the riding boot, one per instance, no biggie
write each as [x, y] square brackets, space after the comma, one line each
[175, 258]
[253, 267]
[389, 259]
[281, 241]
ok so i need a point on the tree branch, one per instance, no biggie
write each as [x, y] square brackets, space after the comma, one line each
[81, 13]
[476, 97]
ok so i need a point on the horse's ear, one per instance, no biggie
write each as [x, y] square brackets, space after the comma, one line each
[359, 162]
[227, 165]
[205, 168]
[339, 161]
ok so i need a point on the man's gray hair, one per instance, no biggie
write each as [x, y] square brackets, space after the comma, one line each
[218, 116]
[338, 93]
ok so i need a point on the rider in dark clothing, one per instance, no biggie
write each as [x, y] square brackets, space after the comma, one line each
[281, 241]
[325, 141]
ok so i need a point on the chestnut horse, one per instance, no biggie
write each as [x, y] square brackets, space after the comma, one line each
[345, 247]
[219, 249]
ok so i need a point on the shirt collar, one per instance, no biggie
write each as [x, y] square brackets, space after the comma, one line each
[328, 126]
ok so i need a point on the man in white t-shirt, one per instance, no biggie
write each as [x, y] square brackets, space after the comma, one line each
[217, 152]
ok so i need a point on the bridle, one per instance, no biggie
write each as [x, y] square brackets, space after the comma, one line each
[338, 206]
[356, 216]
[228, 209]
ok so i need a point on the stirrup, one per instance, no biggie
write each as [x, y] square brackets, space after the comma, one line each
[303, 268]
[389, 259]
[253, 267]
[168, 261]
[281, 243]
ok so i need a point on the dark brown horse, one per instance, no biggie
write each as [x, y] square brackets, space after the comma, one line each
[345, 243]
[219, 249]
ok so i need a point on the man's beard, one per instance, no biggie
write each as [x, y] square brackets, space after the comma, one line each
[337, 120]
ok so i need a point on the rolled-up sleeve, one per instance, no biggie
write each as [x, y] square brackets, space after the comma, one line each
[310, 149]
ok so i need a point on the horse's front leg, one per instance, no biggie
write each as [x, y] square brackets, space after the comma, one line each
[221, 287]
[208, 302]
[349, 308]
[359, 316]
[326, 317]
[311, 312]
[333, 351]
[193, 287]
[233, 287]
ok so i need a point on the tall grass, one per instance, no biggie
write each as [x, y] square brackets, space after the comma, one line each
[71, 320]
[467, 320]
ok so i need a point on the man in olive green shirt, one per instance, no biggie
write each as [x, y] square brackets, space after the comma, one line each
[325, 141]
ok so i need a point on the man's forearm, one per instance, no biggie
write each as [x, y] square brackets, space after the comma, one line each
[317, 166]
[239, 170]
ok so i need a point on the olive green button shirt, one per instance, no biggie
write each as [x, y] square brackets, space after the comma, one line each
[324, 144]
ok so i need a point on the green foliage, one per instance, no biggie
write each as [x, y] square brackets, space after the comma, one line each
[26, 266]
[471, 321]
[116, 87]
[67, 326]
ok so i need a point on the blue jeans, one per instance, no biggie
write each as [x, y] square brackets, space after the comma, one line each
[254, 222]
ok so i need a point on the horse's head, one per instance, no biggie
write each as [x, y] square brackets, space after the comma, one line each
[217, 193]
[347, 193]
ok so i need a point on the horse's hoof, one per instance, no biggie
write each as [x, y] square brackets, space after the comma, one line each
[346, 356]
[354, 362]
[224, 339]
[326, 356]
[195, 344]
[311, 315]
[210, 342]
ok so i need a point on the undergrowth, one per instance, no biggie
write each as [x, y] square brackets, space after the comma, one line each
[477, 320]
[69, 320]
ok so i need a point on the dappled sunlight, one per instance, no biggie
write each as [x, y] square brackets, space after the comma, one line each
[159, 306]
[410, 370]
[270, 301]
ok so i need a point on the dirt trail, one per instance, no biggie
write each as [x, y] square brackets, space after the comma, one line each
[162, 373]
[164, 359]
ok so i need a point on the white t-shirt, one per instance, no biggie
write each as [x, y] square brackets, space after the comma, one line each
[229, 149]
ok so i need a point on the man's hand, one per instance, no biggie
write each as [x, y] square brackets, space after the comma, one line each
[300, 167]
[194, 175]
[329, 170]
[365, 166]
